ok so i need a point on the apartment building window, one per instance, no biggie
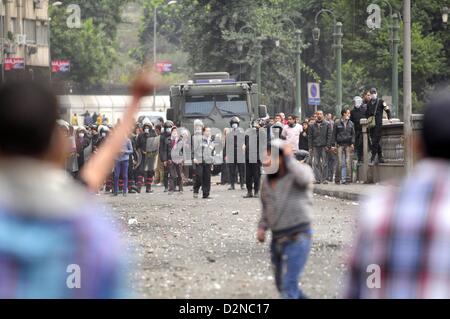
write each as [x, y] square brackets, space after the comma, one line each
[41, 34]
[15, 28]
[30, 30]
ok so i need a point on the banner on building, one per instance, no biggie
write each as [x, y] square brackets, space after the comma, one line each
[14, 64]
[164, 67]
[60, 66]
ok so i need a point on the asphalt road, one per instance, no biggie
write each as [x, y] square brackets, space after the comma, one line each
[193, 248]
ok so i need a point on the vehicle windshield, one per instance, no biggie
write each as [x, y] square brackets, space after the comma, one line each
[197, 105]
[232, 104]
[226, 103]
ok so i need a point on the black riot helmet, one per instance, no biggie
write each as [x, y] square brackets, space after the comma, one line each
[235, 120]
[169, 124]
[168, 127]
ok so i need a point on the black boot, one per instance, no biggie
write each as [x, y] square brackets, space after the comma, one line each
[249, 195]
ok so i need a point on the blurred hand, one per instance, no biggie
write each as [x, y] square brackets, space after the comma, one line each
[261, 235]
[144, 83]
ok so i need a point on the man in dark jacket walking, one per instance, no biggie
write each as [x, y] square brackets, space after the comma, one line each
[344, 140]
[319, 140]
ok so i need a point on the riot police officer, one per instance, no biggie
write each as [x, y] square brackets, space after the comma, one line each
[165, 150]
[255, 138]
[134, 175]
[148, 145]
[374, 114]
[234, 150]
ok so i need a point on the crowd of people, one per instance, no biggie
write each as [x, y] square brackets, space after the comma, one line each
[49, 222]
[325, 142]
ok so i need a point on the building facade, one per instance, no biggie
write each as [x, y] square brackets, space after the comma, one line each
[24, 33]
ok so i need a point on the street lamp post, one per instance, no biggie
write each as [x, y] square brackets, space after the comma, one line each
[395, 46]
[338, 46]
[298, 66]
[258, 47]
[395, 42]
[338, 35]
[155, 23]
[445, 12]
[298, 81]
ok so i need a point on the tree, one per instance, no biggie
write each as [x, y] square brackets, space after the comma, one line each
[92, 48]
[208, 32]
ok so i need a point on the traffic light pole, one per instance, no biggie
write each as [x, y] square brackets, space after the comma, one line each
[258, 48]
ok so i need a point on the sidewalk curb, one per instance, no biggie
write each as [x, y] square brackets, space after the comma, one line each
[339, 194]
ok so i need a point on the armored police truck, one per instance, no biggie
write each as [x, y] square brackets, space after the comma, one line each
[215, 99]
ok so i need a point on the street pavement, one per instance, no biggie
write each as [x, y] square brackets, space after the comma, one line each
[181, 247]
[353, 192]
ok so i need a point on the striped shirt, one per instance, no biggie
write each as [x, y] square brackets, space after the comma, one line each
[404, 239]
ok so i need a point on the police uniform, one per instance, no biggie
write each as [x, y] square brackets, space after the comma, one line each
[165, 149]
[148, 145]
[234, 150]
[254, 148]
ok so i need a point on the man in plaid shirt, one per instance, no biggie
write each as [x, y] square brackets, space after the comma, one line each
[403, 246]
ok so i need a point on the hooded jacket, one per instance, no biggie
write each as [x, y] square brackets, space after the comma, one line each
[287, 208]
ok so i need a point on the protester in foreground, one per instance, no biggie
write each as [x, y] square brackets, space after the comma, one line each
[404, 232]
[286, 197]
[54, 242]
